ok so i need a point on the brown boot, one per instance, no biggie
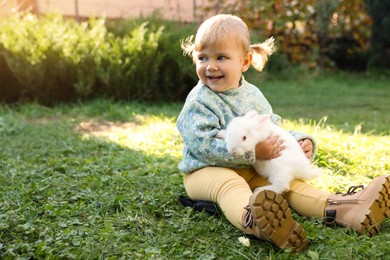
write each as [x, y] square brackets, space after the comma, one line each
[268, 217]
[362, 210]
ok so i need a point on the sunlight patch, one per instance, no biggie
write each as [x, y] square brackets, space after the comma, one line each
[98, 129]
[154, 137]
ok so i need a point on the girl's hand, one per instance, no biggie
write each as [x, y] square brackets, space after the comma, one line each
[269, 148]
[307, 147]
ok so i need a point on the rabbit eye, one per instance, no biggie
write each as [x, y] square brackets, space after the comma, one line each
[244, 138]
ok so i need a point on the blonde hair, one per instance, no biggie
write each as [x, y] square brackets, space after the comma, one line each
[222, 27]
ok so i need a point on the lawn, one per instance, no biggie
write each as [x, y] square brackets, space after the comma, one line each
[99, 179]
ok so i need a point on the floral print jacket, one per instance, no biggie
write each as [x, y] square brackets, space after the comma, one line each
[206, 112]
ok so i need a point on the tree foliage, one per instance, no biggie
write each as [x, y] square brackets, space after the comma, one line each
[379, 10]
[322, 32]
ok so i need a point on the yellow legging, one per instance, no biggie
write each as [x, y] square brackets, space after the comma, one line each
[232, 188]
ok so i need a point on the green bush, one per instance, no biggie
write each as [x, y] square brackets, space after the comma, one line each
[176, 74]
[130, 64]
[380, 37]
[10, 89]
[34, 51]
[51, 60]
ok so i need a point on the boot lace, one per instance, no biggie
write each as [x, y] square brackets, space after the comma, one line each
[248, 219]
[352, 190]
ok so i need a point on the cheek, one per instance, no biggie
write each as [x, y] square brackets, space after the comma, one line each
[200, 70]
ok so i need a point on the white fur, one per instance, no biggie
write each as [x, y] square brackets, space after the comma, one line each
[243, 133]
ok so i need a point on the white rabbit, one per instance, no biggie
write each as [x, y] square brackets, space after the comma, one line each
[243, 133]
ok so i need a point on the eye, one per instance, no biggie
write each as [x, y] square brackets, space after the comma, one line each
[202, 58]
[244, 138]
[221, 58]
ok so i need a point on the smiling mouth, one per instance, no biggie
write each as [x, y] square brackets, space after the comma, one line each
[215, 77]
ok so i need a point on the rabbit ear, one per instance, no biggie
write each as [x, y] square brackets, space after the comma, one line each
[261, 119]
[221, 134]
[251, 114]
[265, 117]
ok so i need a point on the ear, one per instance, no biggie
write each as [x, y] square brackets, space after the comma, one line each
[265, 118]
[261, 119]
[221, 134]
[247, 61]
[252, 114]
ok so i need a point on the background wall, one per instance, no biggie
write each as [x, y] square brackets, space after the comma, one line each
[181, 10]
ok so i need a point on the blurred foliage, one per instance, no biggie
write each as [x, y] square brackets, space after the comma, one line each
[51, 59]
[313, 33]
[379, 10]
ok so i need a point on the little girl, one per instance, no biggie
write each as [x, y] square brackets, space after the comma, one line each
[222, 52]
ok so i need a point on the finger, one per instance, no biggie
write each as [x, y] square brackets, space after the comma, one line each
[273, 139]
[276, 152]
[276, 155]
[276, 142]
[306, 147]
[303, 143]
[308, 144]
[309, 155]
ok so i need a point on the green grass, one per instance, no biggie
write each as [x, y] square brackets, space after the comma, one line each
[349, 102]
[100, 179]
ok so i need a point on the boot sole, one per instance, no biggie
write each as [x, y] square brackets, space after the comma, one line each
[273, 217]
[378, 210]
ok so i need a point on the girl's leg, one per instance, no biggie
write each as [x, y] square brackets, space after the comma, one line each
[223, 186]
[307, 200]
[231, 189]
[361, 209]
[263, 214]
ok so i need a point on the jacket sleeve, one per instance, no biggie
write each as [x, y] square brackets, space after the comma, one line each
[198, 127]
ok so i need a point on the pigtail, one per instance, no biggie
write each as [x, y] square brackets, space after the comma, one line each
[188, 46]
[261, 51]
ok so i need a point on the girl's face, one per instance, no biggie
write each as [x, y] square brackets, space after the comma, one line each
[220, 67]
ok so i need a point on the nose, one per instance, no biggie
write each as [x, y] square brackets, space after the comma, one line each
[212, 66]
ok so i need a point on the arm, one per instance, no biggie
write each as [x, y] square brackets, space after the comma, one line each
[269, 148]
[198, 127]
[272, 147]
[307, 142]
